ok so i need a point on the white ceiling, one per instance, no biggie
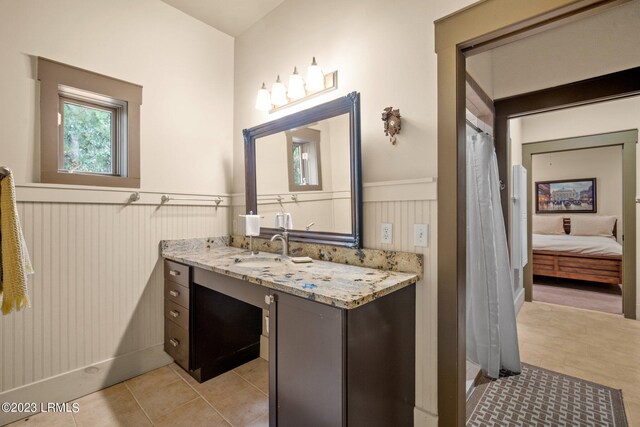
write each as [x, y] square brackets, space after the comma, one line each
[230, 16]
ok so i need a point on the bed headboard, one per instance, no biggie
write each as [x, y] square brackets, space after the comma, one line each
[567, 227]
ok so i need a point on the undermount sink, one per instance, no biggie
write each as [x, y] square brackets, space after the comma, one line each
[260, 262]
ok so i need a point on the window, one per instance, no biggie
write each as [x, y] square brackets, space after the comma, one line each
[303, 146]
[89, 127]
[305, 170]
[92, 131]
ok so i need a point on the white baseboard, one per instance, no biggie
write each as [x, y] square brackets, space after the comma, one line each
[423, 418]
[74, 384]
[519, 300]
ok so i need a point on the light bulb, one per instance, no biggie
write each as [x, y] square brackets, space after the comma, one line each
[296, 85]
[315, 77]
[263, 100]
[278, 93]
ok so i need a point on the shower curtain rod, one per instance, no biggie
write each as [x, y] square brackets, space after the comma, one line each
[474, 127]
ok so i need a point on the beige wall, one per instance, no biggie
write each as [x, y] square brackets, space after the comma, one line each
[396, 69]
[184, 66]
[480, 68]
[604, 164]
[385, 51]
[600, 44]
[97, 294]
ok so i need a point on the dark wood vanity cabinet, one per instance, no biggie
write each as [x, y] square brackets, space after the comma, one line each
[307, 361]
[328, 366]
[177, 282]
[338, 367]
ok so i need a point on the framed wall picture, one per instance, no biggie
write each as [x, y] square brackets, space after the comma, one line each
[567, 195]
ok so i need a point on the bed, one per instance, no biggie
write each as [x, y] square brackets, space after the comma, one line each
[591, 258]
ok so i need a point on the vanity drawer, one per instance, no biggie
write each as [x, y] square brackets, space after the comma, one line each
[176, 313]
[177, 273]
[176, 343]
[176, 293]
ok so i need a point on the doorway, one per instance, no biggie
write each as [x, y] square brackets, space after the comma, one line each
[578, 267]
[480, 27]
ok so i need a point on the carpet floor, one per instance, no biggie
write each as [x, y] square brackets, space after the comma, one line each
[539, 397]
[591, 296]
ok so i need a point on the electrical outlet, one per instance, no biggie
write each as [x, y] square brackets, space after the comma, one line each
[421, 235]
[386, 233]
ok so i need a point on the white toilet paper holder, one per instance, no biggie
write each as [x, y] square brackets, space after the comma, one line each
[251, 251]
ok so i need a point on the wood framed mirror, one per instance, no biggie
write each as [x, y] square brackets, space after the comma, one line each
[283, 173]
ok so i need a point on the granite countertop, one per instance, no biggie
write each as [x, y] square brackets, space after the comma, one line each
[339, 285]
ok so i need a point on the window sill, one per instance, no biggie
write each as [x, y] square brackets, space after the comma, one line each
[89, 180]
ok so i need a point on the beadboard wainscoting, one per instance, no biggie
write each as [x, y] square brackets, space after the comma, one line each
[403, 214]
[97, 295]
[403, 204]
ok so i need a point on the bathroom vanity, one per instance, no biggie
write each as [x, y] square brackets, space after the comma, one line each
[341, 337]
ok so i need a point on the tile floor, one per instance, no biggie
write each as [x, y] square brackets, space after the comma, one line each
[595, 346]
[170, 397]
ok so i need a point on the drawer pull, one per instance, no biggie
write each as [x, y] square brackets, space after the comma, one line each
[174, 293]
[174, 272]
[174, 313]
[174, 342]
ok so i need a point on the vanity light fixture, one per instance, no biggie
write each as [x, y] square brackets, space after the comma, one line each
[315, 77]
[296, 86]
[263, 101]
[280, 97]
[279, 93]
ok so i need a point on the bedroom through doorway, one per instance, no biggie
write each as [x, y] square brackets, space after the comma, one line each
[577, 228]
[575, 158]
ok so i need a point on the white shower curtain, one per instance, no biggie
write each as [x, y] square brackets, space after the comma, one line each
[492, 338]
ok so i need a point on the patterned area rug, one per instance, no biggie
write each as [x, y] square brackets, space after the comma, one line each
[538, 397]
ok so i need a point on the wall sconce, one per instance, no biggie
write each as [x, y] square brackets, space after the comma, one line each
[298, 91]
[263, 100]
[296, 86]
[278, 93]
[315, 77]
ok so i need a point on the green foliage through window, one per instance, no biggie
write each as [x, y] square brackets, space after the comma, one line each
[297, 164]
[88, 139]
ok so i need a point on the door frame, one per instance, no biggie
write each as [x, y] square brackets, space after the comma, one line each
[479, 27]
[628, 140]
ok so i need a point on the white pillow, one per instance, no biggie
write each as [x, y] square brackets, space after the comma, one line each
[548, 224]
[599, 225]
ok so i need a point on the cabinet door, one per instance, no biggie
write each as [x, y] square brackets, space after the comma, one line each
[306, 354]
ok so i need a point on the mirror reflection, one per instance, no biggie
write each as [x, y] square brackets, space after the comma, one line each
[309, 168]
[303, 149]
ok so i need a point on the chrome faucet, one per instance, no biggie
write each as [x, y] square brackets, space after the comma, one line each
[284, 238]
